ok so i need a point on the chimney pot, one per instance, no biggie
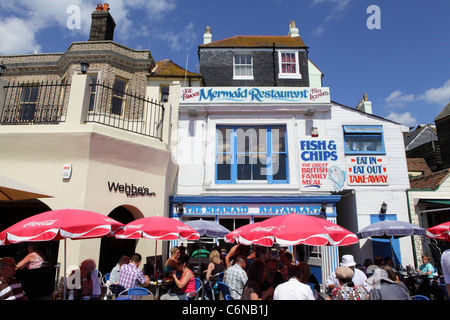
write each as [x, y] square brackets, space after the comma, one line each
[293, 31]
[207, 36]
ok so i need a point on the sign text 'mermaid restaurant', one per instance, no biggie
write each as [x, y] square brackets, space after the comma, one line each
[252, 94]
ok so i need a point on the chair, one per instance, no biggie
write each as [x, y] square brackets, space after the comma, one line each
[135, 291]
[213, 290]
[198, 287]
[116, 289]
[419, 297]
[100, 276]
[225, 290]
[106, 278]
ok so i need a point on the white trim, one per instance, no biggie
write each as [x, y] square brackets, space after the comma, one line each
[235, 77]
[282, 75]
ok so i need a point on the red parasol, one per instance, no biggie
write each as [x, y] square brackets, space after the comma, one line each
[439, 232]
[293, 229]
[60, 224]
[157, 228]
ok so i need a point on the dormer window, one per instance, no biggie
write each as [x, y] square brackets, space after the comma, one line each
[288, 65]
[243, 66]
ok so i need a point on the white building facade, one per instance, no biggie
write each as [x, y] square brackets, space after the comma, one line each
[246, 153]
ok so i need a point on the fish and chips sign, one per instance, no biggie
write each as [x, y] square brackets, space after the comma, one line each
[255, 94]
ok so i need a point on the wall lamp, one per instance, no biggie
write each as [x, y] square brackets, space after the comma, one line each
[383, 208]
[2, 68]
[323, 208]
[84, 66]
[310, 112]
[179, 207]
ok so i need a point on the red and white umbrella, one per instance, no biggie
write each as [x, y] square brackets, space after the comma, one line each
[59, 225]
[157, 228]
[439, 232]
[293, 229]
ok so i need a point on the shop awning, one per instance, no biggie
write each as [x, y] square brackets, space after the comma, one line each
[436, 201]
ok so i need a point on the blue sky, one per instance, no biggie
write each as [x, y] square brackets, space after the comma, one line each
[404, 67]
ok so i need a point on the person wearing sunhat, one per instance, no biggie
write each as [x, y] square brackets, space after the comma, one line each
[359, 278]
[347, 290]
[384, 288]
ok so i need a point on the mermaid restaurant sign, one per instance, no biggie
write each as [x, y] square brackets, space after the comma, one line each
[254, 94]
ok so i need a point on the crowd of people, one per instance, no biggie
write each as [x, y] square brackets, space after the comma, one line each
[250, 274]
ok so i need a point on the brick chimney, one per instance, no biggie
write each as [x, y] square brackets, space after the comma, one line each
[102, 26]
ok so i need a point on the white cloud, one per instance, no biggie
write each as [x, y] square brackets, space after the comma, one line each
[398, 99]
[404, 118]
[335, 10]
[438, 95]
[179, 40]
[318, 31]
[22, 20]
[18, 37]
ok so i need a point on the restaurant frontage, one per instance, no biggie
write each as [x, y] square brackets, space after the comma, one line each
[235, 211]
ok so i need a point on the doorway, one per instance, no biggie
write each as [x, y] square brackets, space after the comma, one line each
[111, 249]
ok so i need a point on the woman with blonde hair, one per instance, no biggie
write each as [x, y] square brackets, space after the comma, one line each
[215, 265]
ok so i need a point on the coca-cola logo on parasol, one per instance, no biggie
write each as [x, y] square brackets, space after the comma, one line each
[39, 223]
[333, 228]
[265, 229]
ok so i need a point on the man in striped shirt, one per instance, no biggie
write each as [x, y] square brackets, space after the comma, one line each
[10, 287]
[130, 275]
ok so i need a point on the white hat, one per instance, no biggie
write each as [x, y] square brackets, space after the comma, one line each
[348, 261]
[378, 275]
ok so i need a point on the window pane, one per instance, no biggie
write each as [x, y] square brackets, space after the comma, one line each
[363, 143]
[244, 170]
[116, 107]
[259, 167]
[279, 166]
[278, 139]
[223, 140]
[223, 167]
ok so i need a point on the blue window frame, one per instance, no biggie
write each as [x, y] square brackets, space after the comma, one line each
[251, 153]
[360, 139]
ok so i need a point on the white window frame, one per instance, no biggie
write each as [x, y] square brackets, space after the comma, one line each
[281, 75]
[239, 77]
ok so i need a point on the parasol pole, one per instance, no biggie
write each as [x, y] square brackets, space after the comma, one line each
[65, 268]
[392, 251]
[154, 265]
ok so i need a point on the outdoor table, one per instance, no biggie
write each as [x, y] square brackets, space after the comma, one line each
[160, 284]
[136, 297]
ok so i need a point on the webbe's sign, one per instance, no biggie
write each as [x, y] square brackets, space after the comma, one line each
[253, 94]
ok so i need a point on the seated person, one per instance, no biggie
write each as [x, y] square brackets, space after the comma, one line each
[215, 266]
[131, 276]
[33, 260]
[185, 285]
[115, 272]
[172, 263]
[10, 287]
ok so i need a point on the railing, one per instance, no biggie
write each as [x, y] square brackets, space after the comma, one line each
[35, 103]
[125, 110]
